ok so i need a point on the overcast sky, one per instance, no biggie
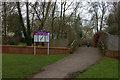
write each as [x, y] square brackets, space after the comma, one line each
[58, 0]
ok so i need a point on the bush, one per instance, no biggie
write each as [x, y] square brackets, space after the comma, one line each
[96, 38]
[13, 40]
[101, 47]
[73, 46]
[85, 41]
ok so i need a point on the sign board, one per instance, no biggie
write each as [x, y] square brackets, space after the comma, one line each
[110, 41]
[41, 36]
[35, 38]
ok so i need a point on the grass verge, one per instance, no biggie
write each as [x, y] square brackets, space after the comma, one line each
[104, 68]
[22, 66]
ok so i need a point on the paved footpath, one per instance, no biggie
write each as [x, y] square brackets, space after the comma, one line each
[80, 60]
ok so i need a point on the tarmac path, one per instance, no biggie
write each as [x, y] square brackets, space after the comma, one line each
[79, 60]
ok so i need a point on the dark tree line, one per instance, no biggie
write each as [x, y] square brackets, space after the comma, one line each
[113, 20]
[20, 19]
[23, 18]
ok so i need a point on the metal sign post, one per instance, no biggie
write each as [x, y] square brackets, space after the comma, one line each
[34, 48]
[41, 36]
[48, 48]
[48, 43]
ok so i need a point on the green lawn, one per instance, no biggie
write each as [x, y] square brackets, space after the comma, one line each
[23, 66]
[22, 44]
[104, 68]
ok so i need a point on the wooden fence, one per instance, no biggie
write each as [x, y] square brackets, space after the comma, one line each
[112, 54]
[111, 42]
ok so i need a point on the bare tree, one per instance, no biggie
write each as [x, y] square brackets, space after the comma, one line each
[28, 25]
[27, 33]
[65, 8]
[60, 24]
[103, 8]
[98, 11]
[45, 12]
[95, 15]
[53, 12]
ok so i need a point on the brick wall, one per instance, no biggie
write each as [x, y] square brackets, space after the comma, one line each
[30, 49]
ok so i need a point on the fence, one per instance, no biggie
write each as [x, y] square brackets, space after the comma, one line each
[59, 42]
[64, 42]
[112, 54]
[111, 44]
[30, 50]
[110, 41]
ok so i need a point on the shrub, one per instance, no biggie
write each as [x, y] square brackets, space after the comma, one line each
[84, 41]
[13, 40]
[96, 38]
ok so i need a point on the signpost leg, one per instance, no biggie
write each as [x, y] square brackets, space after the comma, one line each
[48, 48]
[34, 48]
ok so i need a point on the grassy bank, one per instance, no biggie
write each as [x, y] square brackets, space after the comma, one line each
[104, 68]
[23, 66]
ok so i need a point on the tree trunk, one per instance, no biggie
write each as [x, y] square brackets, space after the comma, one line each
[53, 12]
[101, 23]
[32, 22]
[22, 23]
[45, 16]
[119, 18]
[103, 12]
[59, 30]
[52, 28]
[4, 21]
[29, 39]
[96, 20]
[63, 20]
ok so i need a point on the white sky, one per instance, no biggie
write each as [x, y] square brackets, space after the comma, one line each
[58, 0]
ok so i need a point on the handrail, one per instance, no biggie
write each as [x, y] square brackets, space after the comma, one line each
[73, 43]
[102, 46]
